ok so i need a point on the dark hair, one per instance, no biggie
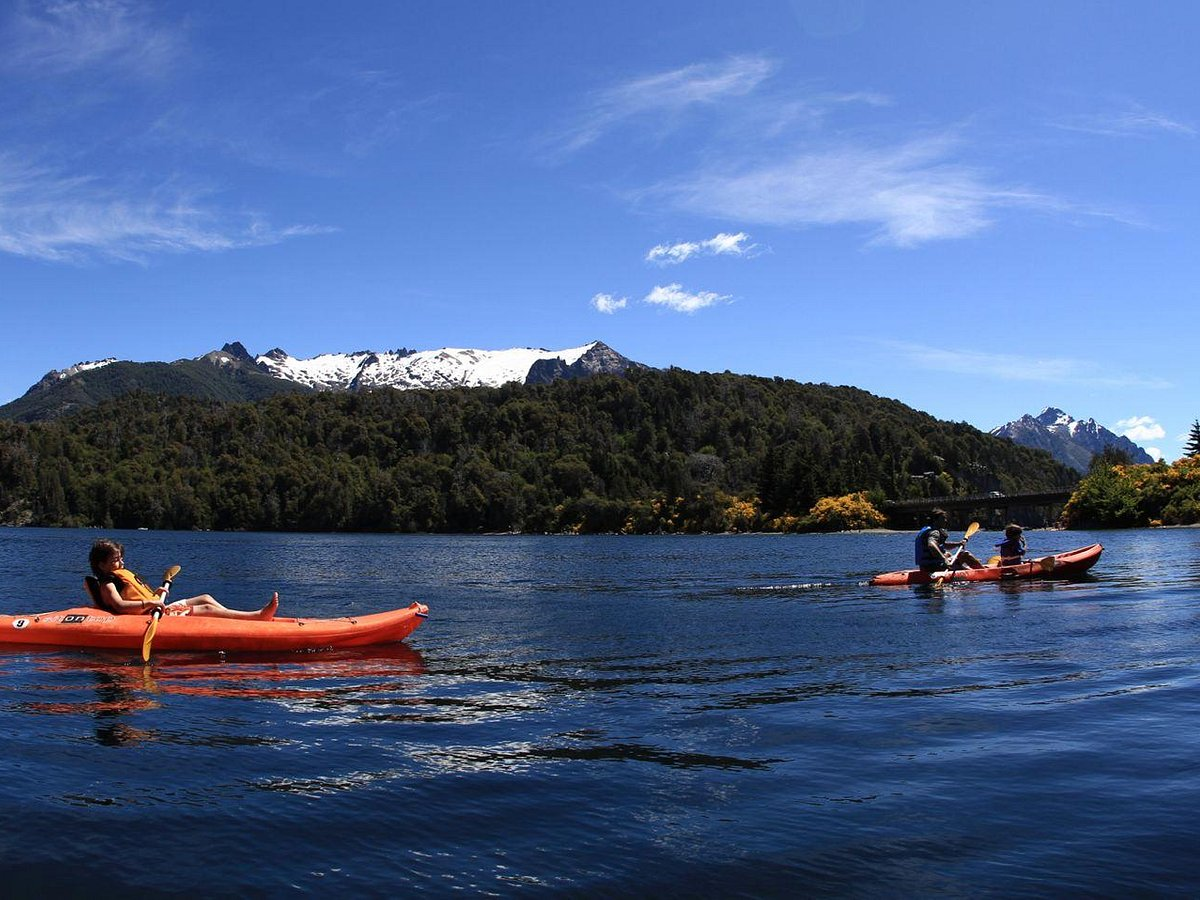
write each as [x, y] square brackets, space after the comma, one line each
[102, 551]
[937, 515]
[1012, 530]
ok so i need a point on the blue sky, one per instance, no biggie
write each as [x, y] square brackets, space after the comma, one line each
[977, 209]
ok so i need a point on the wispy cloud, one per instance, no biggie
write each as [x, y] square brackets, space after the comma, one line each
[50, 216]
[666, 94]
[762, 151]
[1141, 428]
[1011, 367]
[1133, 120]
[908, 194]
[608, 304]
[102, 174]
[675, 298]
[719, 245]
[68, 36]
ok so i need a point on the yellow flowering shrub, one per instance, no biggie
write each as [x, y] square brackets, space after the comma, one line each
[850, 512]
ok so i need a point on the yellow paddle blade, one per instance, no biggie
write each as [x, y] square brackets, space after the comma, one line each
[993, 561]
[1047, 563]
[169, 574]
[971, 529]
[151, 628]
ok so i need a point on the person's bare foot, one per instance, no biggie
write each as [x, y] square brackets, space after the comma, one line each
[268, 611]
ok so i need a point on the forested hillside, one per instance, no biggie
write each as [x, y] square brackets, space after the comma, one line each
[652, 451]
[51, 399]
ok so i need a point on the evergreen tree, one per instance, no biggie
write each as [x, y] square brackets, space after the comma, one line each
[1108, 457]
[1192, 448]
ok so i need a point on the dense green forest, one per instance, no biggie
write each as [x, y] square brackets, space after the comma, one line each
[648, 452]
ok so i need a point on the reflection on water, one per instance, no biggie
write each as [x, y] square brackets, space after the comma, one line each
[341, 680]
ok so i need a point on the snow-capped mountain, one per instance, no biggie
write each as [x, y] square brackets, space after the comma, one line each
[445, 368]
[232, 373]
[1071, 441]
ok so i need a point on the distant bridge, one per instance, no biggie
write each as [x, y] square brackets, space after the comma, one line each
[993, 509]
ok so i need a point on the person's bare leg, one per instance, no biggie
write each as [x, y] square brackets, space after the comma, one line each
[206, 605]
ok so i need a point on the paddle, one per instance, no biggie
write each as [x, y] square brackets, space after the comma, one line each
[941, 577]
[157, 613]
[971, 529]
[151, 628]
[1046, 563]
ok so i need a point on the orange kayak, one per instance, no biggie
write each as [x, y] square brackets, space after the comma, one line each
[1061, 565]
[87, 626]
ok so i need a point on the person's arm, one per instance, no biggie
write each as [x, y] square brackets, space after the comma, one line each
[937, 548]
[115, 601]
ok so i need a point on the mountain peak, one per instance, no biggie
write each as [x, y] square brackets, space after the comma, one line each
[1071, 441]
[234, 355]
[1052, 415]
[237, 351]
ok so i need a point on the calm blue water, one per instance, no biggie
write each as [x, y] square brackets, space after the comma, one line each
[676, 716]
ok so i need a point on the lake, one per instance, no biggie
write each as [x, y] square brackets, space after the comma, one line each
[618, 716]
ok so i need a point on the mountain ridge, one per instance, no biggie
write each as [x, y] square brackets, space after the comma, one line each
[233, 373]
[1073, 442]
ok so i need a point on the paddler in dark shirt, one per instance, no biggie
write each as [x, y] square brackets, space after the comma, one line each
[932, 543]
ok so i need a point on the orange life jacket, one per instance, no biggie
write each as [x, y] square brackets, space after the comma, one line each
[131, 587]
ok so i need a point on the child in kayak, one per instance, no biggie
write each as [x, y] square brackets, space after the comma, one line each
[123, 592]
[1012, 548]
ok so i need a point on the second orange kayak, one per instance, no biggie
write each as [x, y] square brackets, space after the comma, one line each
[1060, 565]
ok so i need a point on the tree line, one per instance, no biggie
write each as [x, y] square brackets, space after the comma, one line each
[1118, 494]
[652, 451]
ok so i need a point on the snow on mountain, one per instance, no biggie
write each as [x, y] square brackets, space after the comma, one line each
[1071, 441]
[447, 367]
[56, 376]
[327, 372]
[80, 367]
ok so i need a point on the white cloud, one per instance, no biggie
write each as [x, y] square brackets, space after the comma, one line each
[1141, 428]
[49, 216]
[607, 303]
[674, 297]
[719, 245]
[1155, 453]
[666, 94]
[1011, 367]
[910, 194]
[1134, 120]
[58, 38]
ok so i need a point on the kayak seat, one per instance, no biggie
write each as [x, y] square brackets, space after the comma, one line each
[92, 586]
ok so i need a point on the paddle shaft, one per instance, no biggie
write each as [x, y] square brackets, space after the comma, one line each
[157, 613]
[971, 529]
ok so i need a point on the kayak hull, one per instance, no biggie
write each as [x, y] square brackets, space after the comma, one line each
[87, 626]
[1061, 565]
